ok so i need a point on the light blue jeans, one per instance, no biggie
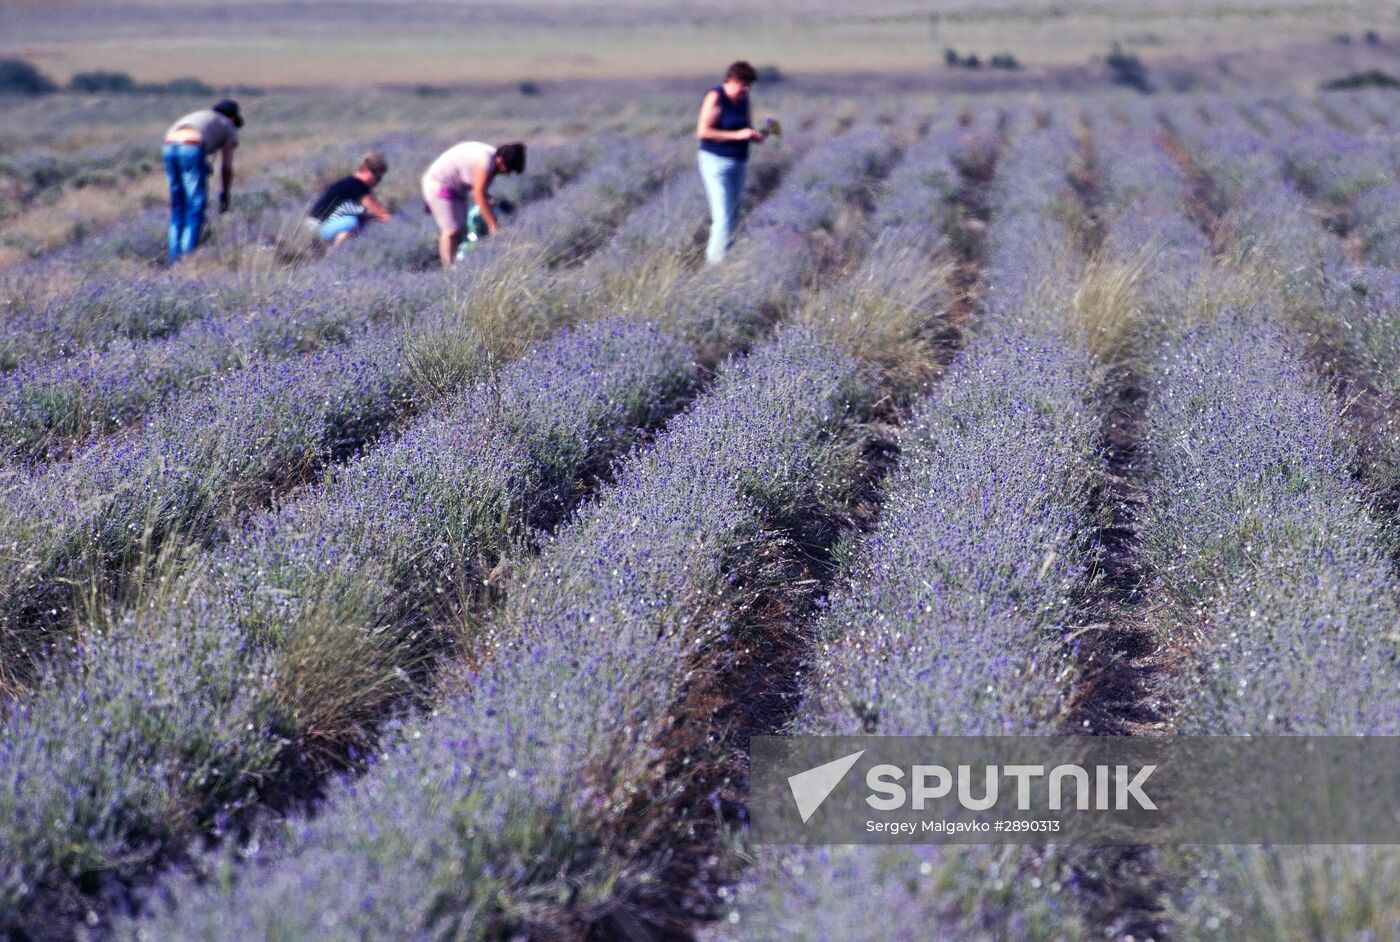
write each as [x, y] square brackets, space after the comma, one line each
[188, 174]
[333, 227]
[724, 188]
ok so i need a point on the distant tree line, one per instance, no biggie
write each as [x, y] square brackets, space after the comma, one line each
[1371, 78]
[18, 77]
[1371, 38]
[1001, 60]
[1125, 68]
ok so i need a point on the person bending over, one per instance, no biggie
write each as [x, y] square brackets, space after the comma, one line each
[461, 174]
[188, 145]
[346, 205]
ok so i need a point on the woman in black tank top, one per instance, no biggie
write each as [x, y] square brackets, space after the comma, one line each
[724, 130]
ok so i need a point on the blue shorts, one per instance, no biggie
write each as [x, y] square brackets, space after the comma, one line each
[331, 228]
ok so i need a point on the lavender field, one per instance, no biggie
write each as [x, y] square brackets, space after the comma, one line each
[347, 598]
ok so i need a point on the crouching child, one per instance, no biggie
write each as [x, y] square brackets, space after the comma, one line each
[345, 206]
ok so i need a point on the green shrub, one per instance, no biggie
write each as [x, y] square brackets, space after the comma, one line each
[1371, 78]
[18, 77]
[100, 81]
[185, 86]
[1127, 69]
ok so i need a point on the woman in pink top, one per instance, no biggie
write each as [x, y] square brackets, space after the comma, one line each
[466, 169]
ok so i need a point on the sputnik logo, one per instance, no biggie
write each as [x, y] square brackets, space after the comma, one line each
[811, 788]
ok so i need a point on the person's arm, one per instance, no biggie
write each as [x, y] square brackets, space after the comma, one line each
[705, 128]
[375, 208]
[481, 182]
[226, 176]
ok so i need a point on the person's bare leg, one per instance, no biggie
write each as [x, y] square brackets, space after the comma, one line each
[447, 247]
[341, 239]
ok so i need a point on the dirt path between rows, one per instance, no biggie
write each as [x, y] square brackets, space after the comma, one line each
[1123, 668]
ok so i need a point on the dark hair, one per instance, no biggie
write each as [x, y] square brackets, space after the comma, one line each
[512, 156]
[375, 163]
[229, 109]
[741, 71]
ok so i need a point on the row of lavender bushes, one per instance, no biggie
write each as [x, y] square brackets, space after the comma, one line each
[951, 622]
[49, 317]
[335, 611]
[1144, 192]
[91, 521]
[1271, 568]
[486, 818]
[610, 610]
[1354, 178]
[1345, 306]
[1260, 535]
[51, 406]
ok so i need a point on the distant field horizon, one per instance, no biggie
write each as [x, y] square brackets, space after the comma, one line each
[321, 44]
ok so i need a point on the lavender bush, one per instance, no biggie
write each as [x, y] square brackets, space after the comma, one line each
[1256, 528]
[42, 322]
[950, 624]
[1144, 190]
[892, 309]
[499, 807]
[1344, 306]
[353, 574]
[213, 456]
[1261, 537]
[334, 596]
[49, 409]
[72, 527]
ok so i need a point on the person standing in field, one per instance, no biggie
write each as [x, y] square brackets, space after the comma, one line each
[341, 209]
[189, 144]
[464, 172]
[724, 129]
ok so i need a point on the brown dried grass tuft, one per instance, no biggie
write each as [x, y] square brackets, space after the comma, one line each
[493, 319]
[342, 671]
[894, 316]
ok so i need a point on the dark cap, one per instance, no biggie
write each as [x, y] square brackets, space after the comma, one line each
[229, 109]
